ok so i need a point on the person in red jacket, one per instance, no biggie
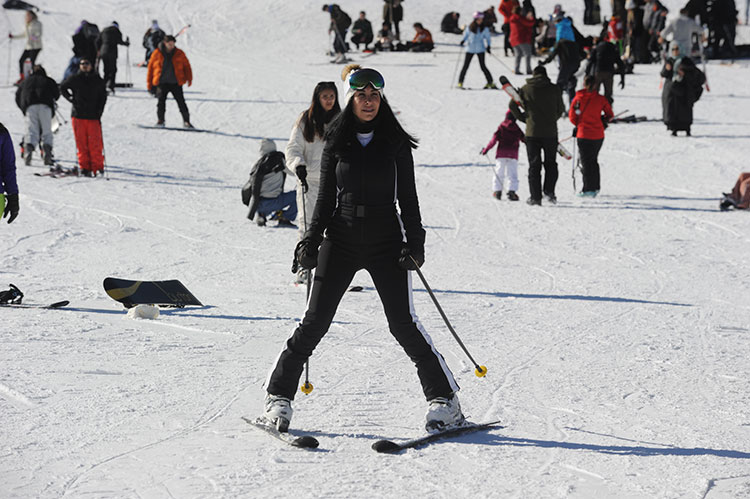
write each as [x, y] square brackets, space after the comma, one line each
[506, 9]
[521, 37]
[168, 70]
[589, 112]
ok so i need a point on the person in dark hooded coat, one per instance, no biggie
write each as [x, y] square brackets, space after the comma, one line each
[684, 92]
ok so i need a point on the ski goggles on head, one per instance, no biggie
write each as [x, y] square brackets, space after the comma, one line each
[360, 79]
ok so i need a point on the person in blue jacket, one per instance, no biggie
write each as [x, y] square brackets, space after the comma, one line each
[478, 37]
[564, 28]
[8, 184]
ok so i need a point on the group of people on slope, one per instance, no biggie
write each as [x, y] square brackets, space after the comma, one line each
[37, 93]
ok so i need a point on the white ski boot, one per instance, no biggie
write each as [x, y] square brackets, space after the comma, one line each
[443, 413]
[278, 411]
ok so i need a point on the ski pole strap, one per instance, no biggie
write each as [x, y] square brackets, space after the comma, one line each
[442, 314]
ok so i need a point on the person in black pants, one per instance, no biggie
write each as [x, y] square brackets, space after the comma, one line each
[107, 43]
[366, 168]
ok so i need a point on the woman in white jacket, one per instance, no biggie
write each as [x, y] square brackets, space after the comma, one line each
[33, 34]
[305, 148]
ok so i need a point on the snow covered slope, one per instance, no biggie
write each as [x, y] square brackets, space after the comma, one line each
[616, 330]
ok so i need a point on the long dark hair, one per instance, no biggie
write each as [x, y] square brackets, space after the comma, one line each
[314, 119]
[344, 126]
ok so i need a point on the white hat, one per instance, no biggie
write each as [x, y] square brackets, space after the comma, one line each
[373, 78]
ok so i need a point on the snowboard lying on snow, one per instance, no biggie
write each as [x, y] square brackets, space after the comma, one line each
[166, 293]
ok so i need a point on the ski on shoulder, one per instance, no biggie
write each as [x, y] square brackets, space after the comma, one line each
[299, 441]
[391, 447]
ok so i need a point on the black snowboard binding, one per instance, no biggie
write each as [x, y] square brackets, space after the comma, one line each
[13, 295]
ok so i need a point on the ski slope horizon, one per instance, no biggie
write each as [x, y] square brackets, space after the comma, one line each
[616, 330]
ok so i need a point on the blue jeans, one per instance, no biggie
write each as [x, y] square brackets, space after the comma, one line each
[286, 202]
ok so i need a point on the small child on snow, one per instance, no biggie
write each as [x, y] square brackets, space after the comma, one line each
[507, 137]
[264, 191]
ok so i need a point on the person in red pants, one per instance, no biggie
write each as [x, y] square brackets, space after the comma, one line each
[88, 94]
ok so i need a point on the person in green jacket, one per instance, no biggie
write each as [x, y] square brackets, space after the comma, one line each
[542, 106]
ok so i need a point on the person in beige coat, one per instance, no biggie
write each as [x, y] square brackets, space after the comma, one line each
[33, 34]
[305, 148]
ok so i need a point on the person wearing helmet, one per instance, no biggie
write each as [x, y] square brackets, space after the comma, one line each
[478, 37]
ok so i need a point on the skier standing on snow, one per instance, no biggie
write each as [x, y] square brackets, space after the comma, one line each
[589, 112]
[479, 40]
[36, 98]
[367, 166]
[86, 91]
[106, 45]
[569, 57]
[522, 38]
[393, 13]
[168, 70]
[266, 196]
[33, 34]
[542, 107]
[340, 22]
[151, 40]
[602, 61]
[507, 137]
[305, 148]
[8, 184]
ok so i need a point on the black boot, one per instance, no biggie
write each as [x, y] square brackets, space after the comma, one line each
[28, 151]
[47, 153]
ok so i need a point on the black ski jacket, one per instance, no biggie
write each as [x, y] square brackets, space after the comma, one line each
[108, 40]
[359, 188]
[87, 93]
[604, 58]
[37, 89]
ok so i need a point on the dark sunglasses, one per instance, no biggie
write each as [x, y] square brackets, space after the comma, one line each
[84, 63]
[364, 77]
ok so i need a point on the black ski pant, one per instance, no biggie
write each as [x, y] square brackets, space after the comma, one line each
[467, 61]
[588, 151]
[337, 264]
[535, 147]
[31, 54]
[110, 69]
[566, 80]
[161, 104]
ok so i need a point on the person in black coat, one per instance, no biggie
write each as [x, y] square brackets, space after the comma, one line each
[683, 92]
[449, 24]
[604, 61]
[106, 44]
[570, 60]
[362, 31]
[36, 98]
[86, 91]
[366, 167]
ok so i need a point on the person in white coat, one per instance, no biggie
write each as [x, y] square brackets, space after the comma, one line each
[33, 34]
[682, 30]
[305, 148]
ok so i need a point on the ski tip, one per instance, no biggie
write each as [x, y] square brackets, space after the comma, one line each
[59, 304]
[385, 446]
[356, 288]
[306, 442]
[504, 80]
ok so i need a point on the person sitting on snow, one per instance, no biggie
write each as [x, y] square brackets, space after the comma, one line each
[739, 198]
[264, 192]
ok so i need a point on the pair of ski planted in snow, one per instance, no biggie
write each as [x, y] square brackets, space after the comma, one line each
[303, 441]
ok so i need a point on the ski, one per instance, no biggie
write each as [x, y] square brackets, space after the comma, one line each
[58, 172]
[391, 447]
[301, 441]
[513, 93]
[176, 129]
[57, 304]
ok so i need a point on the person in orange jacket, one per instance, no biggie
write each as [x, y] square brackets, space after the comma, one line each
[168, 70]
[590, 112]
[422, 41]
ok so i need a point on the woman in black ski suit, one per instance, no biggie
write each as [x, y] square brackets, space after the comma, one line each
[366, 167]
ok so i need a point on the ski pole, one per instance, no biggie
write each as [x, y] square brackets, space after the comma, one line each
[489, 162]
[480, 371]
[455, 70]
[573, 167]
[501, 62]
[307, 387]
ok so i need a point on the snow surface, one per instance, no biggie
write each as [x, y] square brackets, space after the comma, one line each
[616, 330]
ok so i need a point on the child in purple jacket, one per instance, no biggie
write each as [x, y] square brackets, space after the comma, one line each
[507, 137]
[8, 184]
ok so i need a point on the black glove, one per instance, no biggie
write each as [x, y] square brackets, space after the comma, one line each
[306, 253]
[461, 43]
[622, 83]
[301, 172]
[488, 50]
[11, 207]
[406, 262]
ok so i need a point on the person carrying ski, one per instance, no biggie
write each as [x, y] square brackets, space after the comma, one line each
[569, 58]
[168, 70]
[542, 107]
[106, 45]
[151, 40]
[602, 61]
[33, 34]
[589, 112]
[521, 38]
[264, 192]
[362, 31]
[8, 184]
[739, 198]
[305, 148]
[479, 42]
[507, 137]
[340, 22]
[367, 167]
[36, 97]
[86, 91]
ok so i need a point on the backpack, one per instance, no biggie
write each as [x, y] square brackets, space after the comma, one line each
[273, 161]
